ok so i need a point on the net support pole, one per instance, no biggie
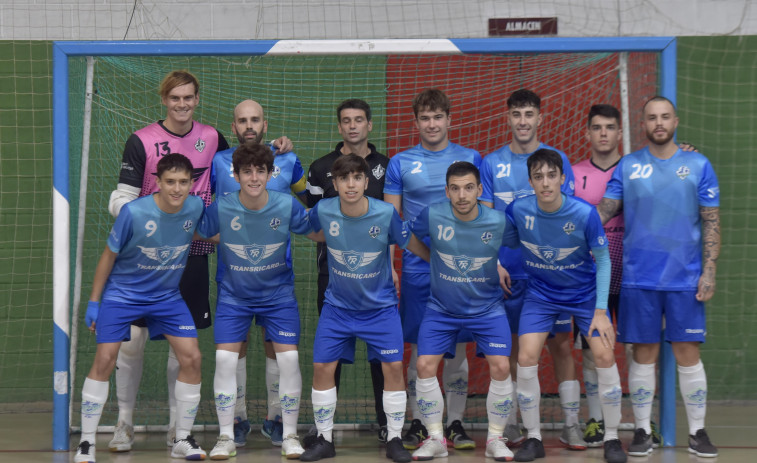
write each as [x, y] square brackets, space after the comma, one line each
[624, 106]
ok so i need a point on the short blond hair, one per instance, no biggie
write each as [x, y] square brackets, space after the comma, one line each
[177, 79]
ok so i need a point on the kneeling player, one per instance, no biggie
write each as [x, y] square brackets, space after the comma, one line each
[138, 276]
[465, 293]
[254, 226]
[558, 234]
[360, 300]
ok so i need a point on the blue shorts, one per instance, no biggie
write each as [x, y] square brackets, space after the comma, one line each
[514, 307]
[439, 332]
[338, 328]
[641, 312]
[414, 293]
[281, 322]
[171, 318]
[540, 316]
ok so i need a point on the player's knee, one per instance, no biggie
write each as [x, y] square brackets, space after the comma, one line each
[603, 359]
[427, 366]
[499, 369]
[103, 365]
[190, 360]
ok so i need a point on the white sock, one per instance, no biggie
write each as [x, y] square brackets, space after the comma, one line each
[499, 405]
[225, 390]
[512, 418]
[240, 408]
[590, 383]
[187, 401]
[395, 403]
[455, 379]
[529, 398]
[324, 406]
[412, 377]
[693, 385]
[641, 386]
[610, 393]
[94, 394]
[431, 406]
[172, 373]
[570, 401]
[290, 389]
[272, 375]
[129, 373]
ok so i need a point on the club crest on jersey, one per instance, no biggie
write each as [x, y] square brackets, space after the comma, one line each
[374, 231]
[462, 264]
[569, 228]
[187, 225]
[486, 237]
[275, 222]
[683, 172]
[276, 171]
[601, 240]
[200, 145]
[352, 259]
[378, 171]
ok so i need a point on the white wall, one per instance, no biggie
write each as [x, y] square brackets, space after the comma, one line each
[345, 19]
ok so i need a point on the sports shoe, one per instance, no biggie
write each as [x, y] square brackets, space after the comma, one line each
[85, 453]
[513, 435]
[274, 430]
[291, 447]
[224, 448]
[171, 436]
[614, 451]
[310, 438]
[594, 433]
[657, 439]
[382, 433]
[123, 437]
[187, 449]
[321, 448]
[241, 429]
[531, 450]
[396, 452]
[497, 448]
[455, 434]
[416, 434]
[641, 445]
[700, 445]
[571, 437]
[431, 448]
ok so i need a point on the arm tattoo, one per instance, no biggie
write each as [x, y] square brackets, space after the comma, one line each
[609, 208]
[710, 236]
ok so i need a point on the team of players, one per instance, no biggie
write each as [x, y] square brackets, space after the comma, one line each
[472, 289]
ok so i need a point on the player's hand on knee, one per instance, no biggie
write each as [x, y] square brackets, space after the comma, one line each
[602, 324]
[93, 309]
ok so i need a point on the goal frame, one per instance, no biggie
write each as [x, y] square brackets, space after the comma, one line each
[63, 50]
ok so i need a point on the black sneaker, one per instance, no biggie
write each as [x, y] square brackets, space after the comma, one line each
[641, 445]
[531, 450]
[416, 434]
[657, 439]
[594, 434]
[700, 445]
[320, 449]
[85, 452]
[382, 433]
[457, 436]
[614, 451]
[310, 438]
[396, 452]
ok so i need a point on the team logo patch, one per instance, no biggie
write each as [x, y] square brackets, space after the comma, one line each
[614, 394]
[374, 231]
[683, 172]
[572, 185]
[503, 407]
[569, 228]
[697, 397]
[89, 408]
[425, 405]
[224, 400]
[290, 403]
[486, 237]
[641, 396]
[397, 416]
[187, 225]
[601, 240]
[276, 171]
[549, 254]
[458, 386]
[378, 172]
[525, 401]
[254, 252]
[164, 254]
[463, 264]
[353, 259]
[275, 222]
[321, 414]
[200, 145]
[591, 388]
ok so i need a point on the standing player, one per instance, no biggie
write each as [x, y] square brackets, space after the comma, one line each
[250, 125]
[670, 200]
[138, 276]
[258, 283]
[361, 300]
[354, 124]
[560, 237]
[415, 179]
[504, 176]
[465, 294]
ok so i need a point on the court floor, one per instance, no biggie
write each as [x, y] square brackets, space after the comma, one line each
[27, 438]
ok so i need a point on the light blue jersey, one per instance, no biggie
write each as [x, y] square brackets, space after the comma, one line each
[152, 248]
[419, 175]
[662, 245]
[254, 247]
[464, 278]
[556, 248]
[360, 276]
[504, 177]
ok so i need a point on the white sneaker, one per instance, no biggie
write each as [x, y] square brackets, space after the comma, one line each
[171, 436]
[291, 448]
[497, 448]
[123, 437]
[188, 449]
[573, 438]
[224, 448]
[431, 448]
[85, 453]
